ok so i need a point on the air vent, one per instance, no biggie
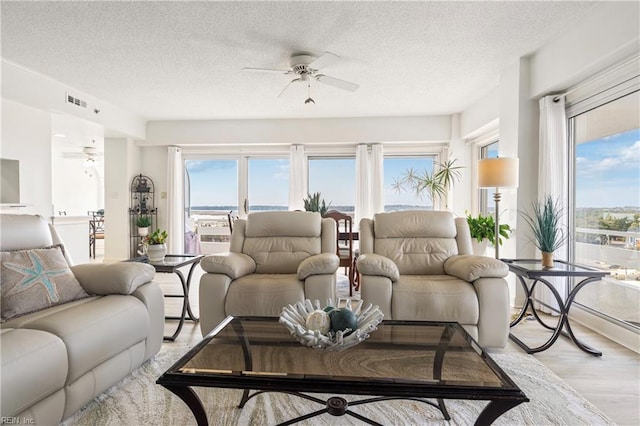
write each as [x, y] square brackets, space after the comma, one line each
[76, 101]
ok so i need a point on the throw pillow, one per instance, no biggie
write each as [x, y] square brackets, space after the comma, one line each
[35, 279]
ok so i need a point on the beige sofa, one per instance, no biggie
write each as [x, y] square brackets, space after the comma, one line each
[418, 265]
[275, 259]
[57, 359]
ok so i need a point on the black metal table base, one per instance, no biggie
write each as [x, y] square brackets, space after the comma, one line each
[186, 313]
[563, 320]
[338, 406]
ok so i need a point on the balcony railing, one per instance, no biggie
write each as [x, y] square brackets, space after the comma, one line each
[607, 249]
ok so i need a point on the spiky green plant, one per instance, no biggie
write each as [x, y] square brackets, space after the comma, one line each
[315, 203]
[482, 227]
[545, 223]
[143, 221]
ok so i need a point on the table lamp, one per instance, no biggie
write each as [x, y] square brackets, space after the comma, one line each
[498, 173]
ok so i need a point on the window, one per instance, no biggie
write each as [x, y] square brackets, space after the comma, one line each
[605, 141]
[268, 184]
[487, 205]
[396, 198]
[217, 187]
[335, 179]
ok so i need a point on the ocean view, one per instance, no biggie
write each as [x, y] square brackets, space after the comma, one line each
[347, 209]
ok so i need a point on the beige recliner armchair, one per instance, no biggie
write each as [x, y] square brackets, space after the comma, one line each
[275, 259]
[417, 265]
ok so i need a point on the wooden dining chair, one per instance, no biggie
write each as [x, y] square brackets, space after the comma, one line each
[231, 218]
[344, 232]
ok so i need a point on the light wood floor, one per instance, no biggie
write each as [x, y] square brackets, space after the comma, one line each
[610, 382]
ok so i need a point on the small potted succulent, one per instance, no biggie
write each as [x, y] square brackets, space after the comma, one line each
[483, 231]
[143, 223]
[156, 248]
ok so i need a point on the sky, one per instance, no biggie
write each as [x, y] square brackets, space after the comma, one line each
[608, 171]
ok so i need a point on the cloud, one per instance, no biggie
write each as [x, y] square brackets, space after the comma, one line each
[624, 158]
[201, 166]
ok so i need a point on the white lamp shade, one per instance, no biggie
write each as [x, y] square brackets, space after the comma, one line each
[498, 172]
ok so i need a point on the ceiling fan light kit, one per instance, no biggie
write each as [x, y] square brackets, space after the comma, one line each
[306, 68]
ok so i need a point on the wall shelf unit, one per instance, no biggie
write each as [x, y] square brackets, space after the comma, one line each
[142, 204]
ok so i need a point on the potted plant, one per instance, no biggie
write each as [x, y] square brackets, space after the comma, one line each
[143, 223]
[545, 221]
[314, 203]
[483, 231]
[156, 248]
[436, 184]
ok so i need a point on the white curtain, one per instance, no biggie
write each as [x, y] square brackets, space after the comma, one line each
[377, 179]
[363, 187]
[553, 177]
[297, 177]
[369, 181]
[175, 201]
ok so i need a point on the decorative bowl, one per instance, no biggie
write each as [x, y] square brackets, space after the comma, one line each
[294, 317]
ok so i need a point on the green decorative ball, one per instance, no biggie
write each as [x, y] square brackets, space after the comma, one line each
[341, 319]
[329, 308]
[318, 321]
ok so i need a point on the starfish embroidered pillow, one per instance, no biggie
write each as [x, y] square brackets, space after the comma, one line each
[31, 280]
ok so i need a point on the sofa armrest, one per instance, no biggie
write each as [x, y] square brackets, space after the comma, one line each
[234, 265]
[375, 264]
[469, 268]
[318, 264]
[113, 278]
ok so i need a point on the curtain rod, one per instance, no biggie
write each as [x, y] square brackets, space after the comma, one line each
[596, 77]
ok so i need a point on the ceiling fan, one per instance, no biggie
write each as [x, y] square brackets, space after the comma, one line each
[89, 154]
[306, 68]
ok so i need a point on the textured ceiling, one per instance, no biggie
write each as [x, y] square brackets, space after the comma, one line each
[184, 60]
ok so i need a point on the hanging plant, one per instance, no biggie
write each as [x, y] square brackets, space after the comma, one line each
[436, 185]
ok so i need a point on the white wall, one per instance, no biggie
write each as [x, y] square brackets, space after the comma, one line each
[304, 131]
[475, 119]
[26, 136]
[609, 33]
[122, 159]
[70, 135]
[25, 86]
[154, 163]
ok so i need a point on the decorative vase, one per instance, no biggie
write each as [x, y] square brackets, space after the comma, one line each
[479, 248]
[156, 252]
[143, 232]
[547, 259]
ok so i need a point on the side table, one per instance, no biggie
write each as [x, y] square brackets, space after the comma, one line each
[171, 265]
[533, 270]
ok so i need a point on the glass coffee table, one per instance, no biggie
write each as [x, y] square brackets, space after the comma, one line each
[401, 360]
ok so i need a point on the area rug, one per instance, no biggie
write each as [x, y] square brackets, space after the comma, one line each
[137, 400]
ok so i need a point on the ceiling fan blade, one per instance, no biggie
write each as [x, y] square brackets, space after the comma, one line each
[267, 70]
[287, 86]
[336, 82]
[323, 60]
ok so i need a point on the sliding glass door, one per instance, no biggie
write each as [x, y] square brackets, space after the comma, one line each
[606, 174]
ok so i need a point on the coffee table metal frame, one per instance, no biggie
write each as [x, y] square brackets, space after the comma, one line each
[172, 265]
[500, 399]
[531, 269]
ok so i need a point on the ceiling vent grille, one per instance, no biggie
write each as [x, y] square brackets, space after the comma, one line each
[76, 101]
